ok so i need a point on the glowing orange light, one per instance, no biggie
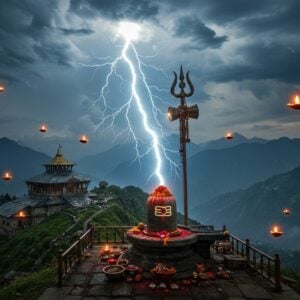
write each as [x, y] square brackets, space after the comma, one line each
[229, 136]
[295, 104]
[83, 139]
[286, 211]
[106, 250]
[276, 232]
[21, 214]
[7, 176]
[43, 128]
[2, 88]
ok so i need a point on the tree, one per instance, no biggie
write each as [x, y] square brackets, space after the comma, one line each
[103, 184]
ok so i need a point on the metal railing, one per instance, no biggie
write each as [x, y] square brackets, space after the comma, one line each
[68, 258]
[267, 266]
[110, 234]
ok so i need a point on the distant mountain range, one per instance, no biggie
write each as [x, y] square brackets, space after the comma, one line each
[223, 143]
[251, 212]
[216, 171]
[23, 162]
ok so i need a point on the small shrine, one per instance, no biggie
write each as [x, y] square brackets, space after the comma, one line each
[163, 241]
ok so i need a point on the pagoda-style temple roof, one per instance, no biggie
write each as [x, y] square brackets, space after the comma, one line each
[59, 159]
[52, 178]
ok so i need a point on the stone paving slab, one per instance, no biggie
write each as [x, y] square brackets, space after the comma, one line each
[254, 291]
[122, 289]
[149, 297]
[98, 278]
[206, 293]
[100, 290]
[55, 293]
[288, 295]
[75, 279]
[229, 289]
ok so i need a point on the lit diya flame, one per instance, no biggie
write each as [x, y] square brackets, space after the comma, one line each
[106, 249]
[7, 176]
[229, 136]
[295, 104]
[83, 139]
[2, 88]
[286, 211]
[276, 232]
[43, 128]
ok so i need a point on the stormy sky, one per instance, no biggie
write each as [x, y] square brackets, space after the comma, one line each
[243, 58]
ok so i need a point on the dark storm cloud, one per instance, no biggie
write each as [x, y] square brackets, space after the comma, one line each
[29, 35]
[10, 57]
[116, 9]
[274, 61]
[202, 36]
[53, 53]
[282, 18]
[81, 31]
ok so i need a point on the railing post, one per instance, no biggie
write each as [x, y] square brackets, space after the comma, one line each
[248, 251]
[78, 254]
[91, 226]
[60, 268]
[277, 273]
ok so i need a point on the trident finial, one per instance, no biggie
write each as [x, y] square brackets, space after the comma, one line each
[182, 85]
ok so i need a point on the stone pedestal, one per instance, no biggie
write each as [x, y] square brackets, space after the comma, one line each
[147, 251]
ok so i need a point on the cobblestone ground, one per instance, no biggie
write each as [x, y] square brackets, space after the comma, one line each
[88, 282]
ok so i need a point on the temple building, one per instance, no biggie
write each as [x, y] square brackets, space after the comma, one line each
[52, 191]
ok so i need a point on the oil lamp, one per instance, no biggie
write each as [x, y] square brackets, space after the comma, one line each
[229, 136]
[295, 104]
[286, 211]
[83, 139]
[43, 128]
[106, 250]
[276, 232]
[7, 176]
[2, 88]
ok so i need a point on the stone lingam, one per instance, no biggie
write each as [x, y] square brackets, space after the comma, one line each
[163, 241]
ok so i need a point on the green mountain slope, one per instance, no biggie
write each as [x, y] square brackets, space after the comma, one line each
[251, 212]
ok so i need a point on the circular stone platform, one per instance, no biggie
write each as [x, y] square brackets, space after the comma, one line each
[146, 251]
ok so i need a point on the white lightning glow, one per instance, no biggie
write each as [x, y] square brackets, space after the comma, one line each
[131, 32]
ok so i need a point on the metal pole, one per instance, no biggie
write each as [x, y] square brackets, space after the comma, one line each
[184, 169]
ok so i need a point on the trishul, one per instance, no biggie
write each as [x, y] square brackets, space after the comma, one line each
[183, 113]
[182, 84]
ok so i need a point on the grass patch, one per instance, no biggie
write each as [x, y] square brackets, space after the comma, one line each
[30, 287]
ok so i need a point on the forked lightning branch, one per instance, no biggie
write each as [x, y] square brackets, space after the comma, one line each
[130, 32]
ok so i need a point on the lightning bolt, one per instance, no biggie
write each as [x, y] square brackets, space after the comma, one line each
[110, 113]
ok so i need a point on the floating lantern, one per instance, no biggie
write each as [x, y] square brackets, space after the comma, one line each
[43, 128]
[2, 88]
[83, 139]
[286, 211]
[276, 232]
[229, 136]
[295, 104]
[7, 176]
